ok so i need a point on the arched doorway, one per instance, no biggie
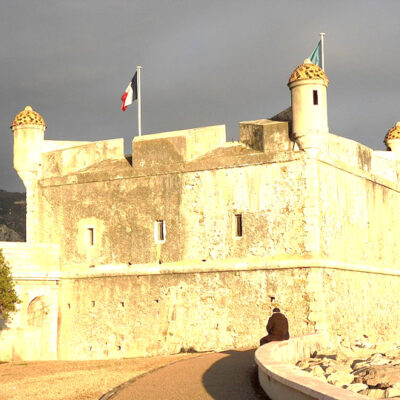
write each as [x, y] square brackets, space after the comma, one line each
[37, 312]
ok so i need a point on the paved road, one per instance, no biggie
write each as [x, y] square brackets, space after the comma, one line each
[230, 375]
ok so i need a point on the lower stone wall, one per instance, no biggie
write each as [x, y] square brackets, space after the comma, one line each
[360, 303]
[141, 315]
[31, 333]
[128, 311]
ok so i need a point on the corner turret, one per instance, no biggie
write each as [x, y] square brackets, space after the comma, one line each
[308, 84]
[28, 128]
[392, 140]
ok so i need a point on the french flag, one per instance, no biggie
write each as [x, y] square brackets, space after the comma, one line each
[130, 94]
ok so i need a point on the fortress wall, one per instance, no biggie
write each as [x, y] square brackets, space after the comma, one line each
[269, 197]
[382, 164]
[360, 303]
[31, 334]
[198, 208]
[359, 222]
[28, 259]
[142, 315]
[122, 213]
[71, 159]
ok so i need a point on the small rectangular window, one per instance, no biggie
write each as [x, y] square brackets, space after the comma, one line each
[159, 231]
[91, 236]
[239, 225]
[315, 96]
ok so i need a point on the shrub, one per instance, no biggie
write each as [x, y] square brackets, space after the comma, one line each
[8, 295]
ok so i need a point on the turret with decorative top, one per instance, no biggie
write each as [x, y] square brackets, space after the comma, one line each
[308, 84]
[392, 140]
[28, 128]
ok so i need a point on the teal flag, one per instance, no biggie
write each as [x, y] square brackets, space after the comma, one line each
[316, 55]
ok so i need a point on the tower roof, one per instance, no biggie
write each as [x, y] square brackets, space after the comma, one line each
[308, 70]
[28, 117]
[393, 133]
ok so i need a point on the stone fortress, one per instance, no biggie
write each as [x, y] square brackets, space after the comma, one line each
[190, 242]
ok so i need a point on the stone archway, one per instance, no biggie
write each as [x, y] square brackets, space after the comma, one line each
[36, 340]
[37, 312]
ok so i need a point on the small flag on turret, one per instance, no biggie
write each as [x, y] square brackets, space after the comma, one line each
[316, 55]
[130, 94]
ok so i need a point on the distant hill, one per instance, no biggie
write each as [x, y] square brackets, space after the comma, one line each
[8, 235]
[12, 216]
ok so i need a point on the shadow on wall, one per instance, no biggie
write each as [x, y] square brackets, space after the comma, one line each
[234, 377]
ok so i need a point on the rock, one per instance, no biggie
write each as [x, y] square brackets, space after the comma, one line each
[335, 367]
[381, 376]
[378, 359]
[359, 364]
[318, 371]
[356, 387]
[393, 392]
[374, 393]
[393, 353]
[344, 354]
[303, 364]
[340, 378]
[385, 347]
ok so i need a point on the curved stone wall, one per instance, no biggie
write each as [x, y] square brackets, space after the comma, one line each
[282, 380]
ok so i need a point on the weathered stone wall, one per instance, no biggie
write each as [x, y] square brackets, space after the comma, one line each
[198, 208]
[137, 314]
[359, 219]
[31, 334]
[360, 303]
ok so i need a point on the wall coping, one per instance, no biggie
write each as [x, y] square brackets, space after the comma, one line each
[277, 375]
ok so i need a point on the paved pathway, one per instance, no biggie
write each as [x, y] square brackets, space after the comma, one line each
[231, 375]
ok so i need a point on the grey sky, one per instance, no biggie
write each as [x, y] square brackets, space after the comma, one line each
[204, 63]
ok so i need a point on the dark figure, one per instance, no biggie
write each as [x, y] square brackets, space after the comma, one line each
[277, 328]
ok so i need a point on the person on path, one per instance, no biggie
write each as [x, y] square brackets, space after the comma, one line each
[277, 327]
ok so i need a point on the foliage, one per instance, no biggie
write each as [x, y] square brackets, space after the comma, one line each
[8, 295]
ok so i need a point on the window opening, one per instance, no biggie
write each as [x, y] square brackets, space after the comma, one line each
[160, 231]
[315, 96]
[91, 236]
[239, 225]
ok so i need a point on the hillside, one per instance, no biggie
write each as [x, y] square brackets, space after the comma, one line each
[12, 216]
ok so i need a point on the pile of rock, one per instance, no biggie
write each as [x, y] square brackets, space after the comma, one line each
[362, 367]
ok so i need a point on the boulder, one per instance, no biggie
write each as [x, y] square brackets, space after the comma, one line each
[381, 376]
[318, 371]
[374, 393]
[356, 387]
[378, 359]
[384, 347]
[393, 353]
[393, 392]
[336, 367]
[303, 364]
[340, 378]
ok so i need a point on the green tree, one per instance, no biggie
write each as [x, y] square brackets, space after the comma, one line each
[8, 295]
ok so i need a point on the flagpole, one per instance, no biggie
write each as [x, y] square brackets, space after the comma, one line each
[139, 100]
[322, 51]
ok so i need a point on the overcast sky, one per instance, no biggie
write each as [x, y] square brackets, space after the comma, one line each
[204, 63]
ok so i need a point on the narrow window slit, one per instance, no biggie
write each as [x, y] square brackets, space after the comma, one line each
[239, 225]
[160, 230]
[315, 97]
[91, 236]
